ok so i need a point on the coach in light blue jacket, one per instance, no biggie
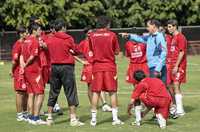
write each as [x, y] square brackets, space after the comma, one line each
[156, 49]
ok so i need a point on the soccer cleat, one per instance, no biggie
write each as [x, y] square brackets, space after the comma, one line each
[20, 117]
[41, 122]
[38, 122]
[76, 123]
[136, 123]
[106, 108]
[93, 122]
[117, 122]
[49, 121]
[172, 109]
[177, 115]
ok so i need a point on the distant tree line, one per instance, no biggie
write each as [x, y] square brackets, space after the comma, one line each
[80, 13]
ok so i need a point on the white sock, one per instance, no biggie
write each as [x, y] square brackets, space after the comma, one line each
[179, 103]
[138, 113]
[161, 121]
[72, 117]
[94, 114]
[49, 116]
[115, 114]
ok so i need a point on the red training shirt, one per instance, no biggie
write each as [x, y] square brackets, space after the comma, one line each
[104, 45]
[136, 52]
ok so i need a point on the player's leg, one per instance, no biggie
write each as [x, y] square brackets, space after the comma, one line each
[30, 106]
[19, 105]
[162, 111]
[89, 93]
[95, 98]
[179, 78]
[96, 88]
[37, 107]
[178, 98]
[105, 106]
[69, 84]
[138, 113]
[110, 84]
[37, 85]
[55, 87]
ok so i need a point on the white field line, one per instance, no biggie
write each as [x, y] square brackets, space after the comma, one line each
[80, 92]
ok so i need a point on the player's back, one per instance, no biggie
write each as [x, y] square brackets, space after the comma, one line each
[104, 44]
[155, 87]
[59, 45]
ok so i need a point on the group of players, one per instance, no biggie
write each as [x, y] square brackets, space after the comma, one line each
[157, 62]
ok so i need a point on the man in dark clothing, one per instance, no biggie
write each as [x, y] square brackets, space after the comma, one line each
[62, 72]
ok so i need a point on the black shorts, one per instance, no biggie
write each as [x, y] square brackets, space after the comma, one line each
[63, 75]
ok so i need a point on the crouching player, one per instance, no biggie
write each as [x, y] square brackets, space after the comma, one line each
[153, 94]
[19, 83]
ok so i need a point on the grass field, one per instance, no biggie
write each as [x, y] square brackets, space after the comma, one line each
[189, 123]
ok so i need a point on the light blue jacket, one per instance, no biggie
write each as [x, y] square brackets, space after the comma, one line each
[156, 49]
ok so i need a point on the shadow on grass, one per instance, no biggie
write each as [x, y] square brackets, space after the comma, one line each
[152, 122]
[189, 109]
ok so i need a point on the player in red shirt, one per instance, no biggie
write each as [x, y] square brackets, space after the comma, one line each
[136, 52]
[30, 62]
[177, 64]
[19, 82]
[104, 45]
[62, 72]
[86, 75]
[153, 93]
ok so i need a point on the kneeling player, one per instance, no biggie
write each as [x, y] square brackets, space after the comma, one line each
[153, 93]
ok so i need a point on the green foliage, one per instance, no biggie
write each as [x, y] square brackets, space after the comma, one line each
[80, 13]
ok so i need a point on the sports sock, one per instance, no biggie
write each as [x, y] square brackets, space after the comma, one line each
[138, 113]
[94, 114]
[179, 103]
[72, 117]
[115, 114]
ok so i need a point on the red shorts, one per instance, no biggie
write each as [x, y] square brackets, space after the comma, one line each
[86, 75]
[104, 81]
[34, 82]
[160, 104]
[180, 76]
[45, 74]
[19, 82]
[134, 67]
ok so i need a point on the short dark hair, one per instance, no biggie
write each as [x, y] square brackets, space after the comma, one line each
[59, 24]
[103, 21]
[51, 24]
[34, 27]
[21, 29]
[173, 22]
[139, 75]
[32, 19]
[86, 29]
[154, 22]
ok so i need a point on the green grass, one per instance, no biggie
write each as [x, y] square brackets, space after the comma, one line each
[190, 122]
